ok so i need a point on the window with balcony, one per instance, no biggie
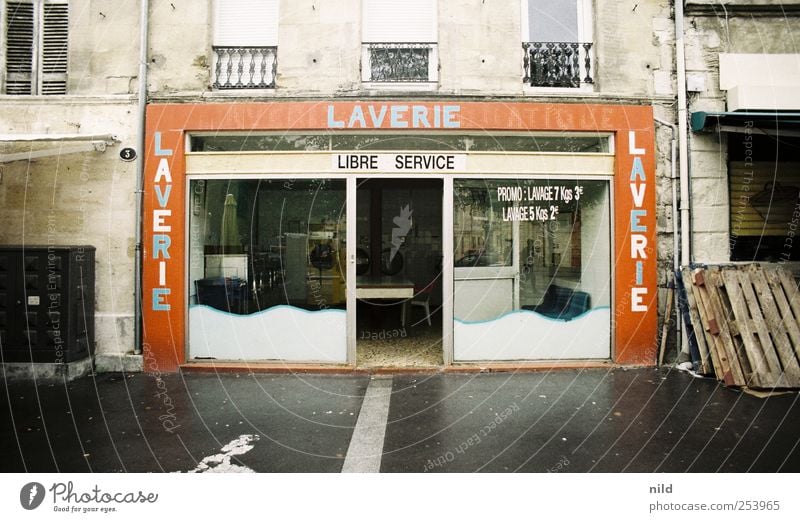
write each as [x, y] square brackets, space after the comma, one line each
[557, 43]
[399, 42]
[35, 35]
[245, 47]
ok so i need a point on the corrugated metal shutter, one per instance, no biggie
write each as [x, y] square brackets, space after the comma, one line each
[54, 45]
[399, 21]
[762, 202]
[20, 38]
[246, 23]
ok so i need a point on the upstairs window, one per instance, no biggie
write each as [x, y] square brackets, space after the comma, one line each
[245, 48]
[557, 39]
[35, 36]
[399, 41]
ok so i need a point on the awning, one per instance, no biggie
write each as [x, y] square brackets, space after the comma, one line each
[25, 147]
[784, 123]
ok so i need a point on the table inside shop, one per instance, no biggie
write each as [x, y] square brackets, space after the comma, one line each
[384, 287]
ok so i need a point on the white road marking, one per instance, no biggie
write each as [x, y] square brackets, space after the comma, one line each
[366, 445]
[221, 462]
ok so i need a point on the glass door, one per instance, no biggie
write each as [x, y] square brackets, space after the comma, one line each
[398, 242]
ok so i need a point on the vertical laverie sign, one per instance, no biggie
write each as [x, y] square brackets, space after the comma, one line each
[638, 227]
[161, 226]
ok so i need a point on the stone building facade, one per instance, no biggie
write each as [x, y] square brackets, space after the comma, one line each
[482, 60]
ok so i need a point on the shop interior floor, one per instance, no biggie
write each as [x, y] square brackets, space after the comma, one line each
[418, 350]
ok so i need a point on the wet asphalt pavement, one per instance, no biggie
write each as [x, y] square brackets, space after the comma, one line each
[566, 421]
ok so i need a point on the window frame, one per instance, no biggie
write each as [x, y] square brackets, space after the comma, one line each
[263, 50]
[431, 83]
[585, 9]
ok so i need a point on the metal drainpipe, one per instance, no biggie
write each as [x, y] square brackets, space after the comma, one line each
[683, 143]
[144, 6]
[675, 235]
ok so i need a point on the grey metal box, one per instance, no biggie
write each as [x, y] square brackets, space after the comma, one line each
[46, 303]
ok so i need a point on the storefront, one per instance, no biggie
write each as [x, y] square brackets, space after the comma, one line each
[286, 233]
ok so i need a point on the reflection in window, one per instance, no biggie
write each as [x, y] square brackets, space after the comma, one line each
[584, 143]
[564, 260]
[532, 269]
[260, 142]
[534, 143]
[482, 237]
[256, 244]
[535, 245]
[432, 142]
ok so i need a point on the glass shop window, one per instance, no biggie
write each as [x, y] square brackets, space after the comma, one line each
[585, 143]
[536, 253]
[257, 244]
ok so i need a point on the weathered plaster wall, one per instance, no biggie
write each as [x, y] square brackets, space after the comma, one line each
[666, 222]
[103, 47]
[83, 198]
[319, 47]
[480, 47]
[635, 47]
[180, 46]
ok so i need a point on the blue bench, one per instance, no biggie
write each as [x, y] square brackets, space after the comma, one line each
[228, 294]
[562, 303]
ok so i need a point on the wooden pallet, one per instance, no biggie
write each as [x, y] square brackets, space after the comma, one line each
[708, 358]
[746, 319]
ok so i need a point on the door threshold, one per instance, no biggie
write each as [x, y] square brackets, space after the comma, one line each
[530, 366]
[211, 366]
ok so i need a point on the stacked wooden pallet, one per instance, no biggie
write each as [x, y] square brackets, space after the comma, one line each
[746, 320]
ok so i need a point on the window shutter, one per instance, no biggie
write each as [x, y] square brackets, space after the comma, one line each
[399, 21]
[55, 32]
[19, 47]
[553, 20]
[246, 23]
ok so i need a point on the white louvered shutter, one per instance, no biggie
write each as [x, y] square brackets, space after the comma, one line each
[399, 21]
[19, 53]
[54, 46]
[554, 20]
[246, 23]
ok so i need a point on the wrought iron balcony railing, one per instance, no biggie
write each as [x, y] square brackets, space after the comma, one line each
[400, 62]
[245, 67]
[558, 64]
